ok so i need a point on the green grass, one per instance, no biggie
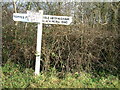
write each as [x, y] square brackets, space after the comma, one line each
[14, 76]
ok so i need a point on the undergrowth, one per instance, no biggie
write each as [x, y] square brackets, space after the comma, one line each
[14, 76]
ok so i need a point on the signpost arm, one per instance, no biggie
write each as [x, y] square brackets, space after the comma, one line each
[38, 47]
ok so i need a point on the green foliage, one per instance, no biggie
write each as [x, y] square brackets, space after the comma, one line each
[14, 76]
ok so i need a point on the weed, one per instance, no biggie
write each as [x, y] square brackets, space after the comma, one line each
[13, 77]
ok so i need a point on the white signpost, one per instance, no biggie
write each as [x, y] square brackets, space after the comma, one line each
[39, 18]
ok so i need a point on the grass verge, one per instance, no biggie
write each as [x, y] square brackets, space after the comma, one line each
[14, 76]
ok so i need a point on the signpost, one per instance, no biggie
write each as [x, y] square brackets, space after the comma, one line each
[38, 17]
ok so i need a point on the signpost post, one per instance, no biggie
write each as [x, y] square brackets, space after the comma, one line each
[38, 17]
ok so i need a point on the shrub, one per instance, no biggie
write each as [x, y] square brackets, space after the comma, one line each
[65, 49]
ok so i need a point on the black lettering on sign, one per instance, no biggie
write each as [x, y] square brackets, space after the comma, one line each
[66, 18]
[45, 17]
[51, 17]
[16, 16]
[26, 17]
[49, 20]
[55, 17]
[57, 21]
[22, 17]
[61, 18]
[58, 18]
[64, 22]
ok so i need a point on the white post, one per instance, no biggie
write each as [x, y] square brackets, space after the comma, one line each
[38, 47]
